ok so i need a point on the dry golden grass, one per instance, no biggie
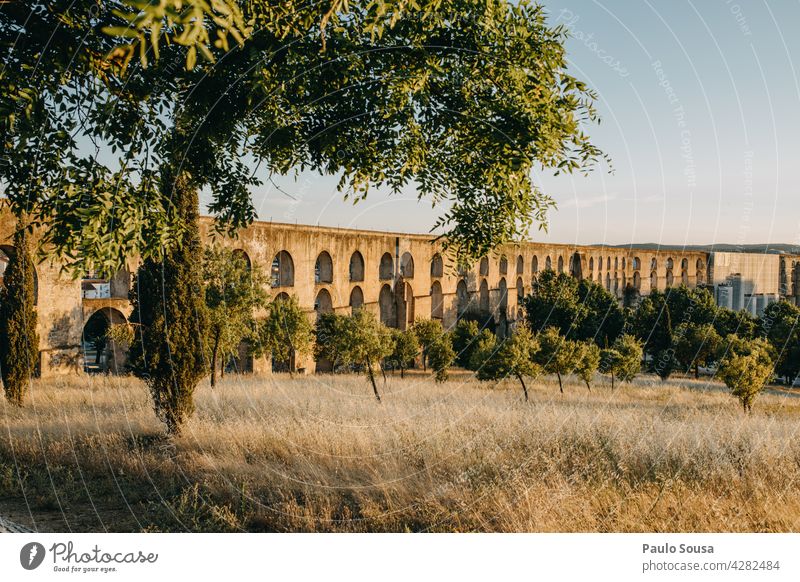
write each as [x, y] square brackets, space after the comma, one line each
[320, 454]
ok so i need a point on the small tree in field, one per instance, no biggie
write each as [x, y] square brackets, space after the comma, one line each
[19, 342]
[513, 357]
[286, 331]
[441, 356]
[630, 357]
[355, 340]
[405, 348]
[234, 291]
[557, 355]
[609, 363]
[427, 331]
[745, 376]
[588, 362]
[745, 369]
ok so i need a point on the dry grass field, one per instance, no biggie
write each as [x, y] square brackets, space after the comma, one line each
[320, 454]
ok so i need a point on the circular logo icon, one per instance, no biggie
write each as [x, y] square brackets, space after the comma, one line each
[31, 555]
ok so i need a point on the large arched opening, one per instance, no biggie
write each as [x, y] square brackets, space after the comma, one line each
[503, 265]
[437, 301]
[102, 354]
[356, 267]
[575, 267]
[323, 303]
[282, 270]
[407, 266]
[462, 297]
[386, 269]
[437, 266]
[323, 268]
[520, 265]
[483, 297]
[356, 299]
[386, 306]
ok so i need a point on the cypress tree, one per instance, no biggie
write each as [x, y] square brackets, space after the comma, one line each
[19, 349]
[169, 308]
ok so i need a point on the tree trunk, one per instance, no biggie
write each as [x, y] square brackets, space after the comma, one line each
[214, 352]
[372, 379]
[612, 380]
[524, 388]
[402, 372]
[588, 387]
[560, 385]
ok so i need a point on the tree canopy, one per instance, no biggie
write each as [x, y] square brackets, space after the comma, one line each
[461, 99]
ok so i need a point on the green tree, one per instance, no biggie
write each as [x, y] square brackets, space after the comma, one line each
[610, 360]
[557, 355]
[358, 340]
[441, 356]
[554, 302]
[745, 368]
[630, 351]
[652, 323]
[439, 73]
[465, 339]
[729, 322]
[588, 362]
[695, 305]
[427, 332]
[233, 292]
[696, 345]
[19, 348]
[405, 348]
[603, 319]
[169, 308]
[286, 332]
[623, 360]
[513, 357]
[780, 325]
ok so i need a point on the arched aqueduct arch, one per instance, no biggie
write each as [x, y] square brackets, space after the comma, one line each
[323, 268]
[282, 270]
[437, 266]
[356, 269]
[101, 354]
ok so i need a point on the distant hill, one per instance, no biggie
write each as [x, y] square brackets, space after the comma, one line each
[723, 248]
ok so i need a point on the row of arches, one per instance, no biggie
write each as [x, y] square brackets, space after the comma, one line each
[283, 272]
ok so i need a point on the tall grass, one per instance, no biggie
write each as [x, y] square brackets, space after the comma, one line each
[319, 454]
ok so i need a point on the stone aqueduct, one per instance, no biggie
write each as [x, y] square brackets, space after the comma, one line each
[399, 277]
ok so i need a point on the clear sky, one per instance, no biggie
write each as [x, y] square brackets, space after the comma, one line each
[700, 103]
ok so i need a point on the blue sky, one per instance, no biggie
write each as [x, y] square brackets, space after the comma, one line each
[701, 110]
